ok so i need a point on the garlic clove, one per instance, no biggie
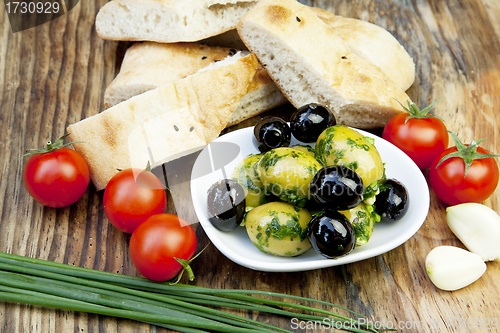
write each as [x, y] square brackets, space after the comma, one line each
[452, 268]
[478, 228]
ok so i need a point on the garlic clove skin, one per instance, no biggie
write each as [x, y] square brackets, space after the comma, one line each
[478, 228]
[452, 268]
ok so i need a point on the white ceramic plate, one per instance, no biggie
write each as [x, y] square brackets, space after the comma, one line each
[237, 246]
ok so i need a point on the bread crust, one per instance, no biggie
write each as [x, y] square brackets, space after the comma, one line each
[309, 62]
[375, 44]
[365, 39]
[163, 124]
[168, 21]
[148, 65]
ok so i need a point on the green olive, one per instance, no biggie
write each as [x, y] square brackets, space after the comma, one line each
[287, 173]
[305, 149]
[279, 228]
[362, 218]
[244, 174]
[341, 145]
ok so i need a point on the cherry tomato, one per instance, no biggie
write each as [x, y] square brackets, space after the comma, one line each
[156, 243]
[449, 184]
[422, 137]
[131, 196]
[56, 177]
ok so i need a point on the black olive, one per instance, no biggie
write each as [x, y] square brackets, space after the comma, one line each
[272, 132]
[337, 187]
[309, 121]
[226, 204]
[331, 234]
[392, 201]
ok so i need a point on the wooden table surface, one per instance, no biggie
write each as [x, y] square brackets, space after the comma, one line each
[55, 74]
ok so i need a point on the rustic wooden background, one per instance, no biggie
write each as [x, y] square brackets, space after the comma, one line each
[55, 74]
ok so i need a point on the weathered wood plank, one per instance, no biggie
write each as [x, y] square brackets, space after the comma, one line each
[55, 74]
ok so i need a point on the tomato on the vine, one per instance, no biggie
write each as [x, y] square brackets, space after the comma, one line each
[465, 173]
[157, 242]
[131, 196]
[56, 176]
[420, 135]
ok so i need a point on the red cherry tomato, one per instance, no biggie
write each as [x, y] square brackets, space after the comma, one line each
[157, 241]
[56, 178]
[464, 173]
[131, 196]
[421, 136]
[449, 184]
[421, 139]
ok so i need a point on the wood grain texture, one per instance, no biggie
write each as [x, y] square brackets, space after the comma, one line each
[55, 74]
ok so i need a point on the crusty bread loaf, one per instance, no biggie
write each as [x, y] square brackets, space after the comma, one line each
[374, 44]
[169, 20]
[165, 123]
[148, 65]
[310, 63]
[262, 95]
[365, 39]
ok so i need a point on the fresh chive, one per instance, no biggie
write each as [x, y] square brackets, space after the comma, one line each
[72, 305]
[60, 300]
[94, 286]
[180, 307]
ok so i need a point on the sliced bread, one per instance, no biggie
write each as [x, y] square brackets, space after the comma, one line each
[367, 40]
[149, 65]
[375, 44]
[168, 20]
[163, 124]
[310, 63]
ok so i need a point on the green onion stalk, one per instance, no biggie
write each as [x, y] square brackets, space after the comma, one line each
[178, 307]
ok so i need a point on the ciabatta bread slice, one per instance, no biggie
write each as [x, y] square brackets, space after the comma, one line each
[149, 65]
[163, 124]
[367, 40]
[169, 21]
[375, 44]
[310, 63]
[263, 95]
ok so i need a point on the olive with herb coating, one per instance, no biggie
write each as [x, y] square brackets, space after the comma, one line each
[287, 173]
[244, 174]
[272, 132]
[362, 218]
[305, 149]
[331, 234]
[337, 187]
[279, 228]
[226, 204]
[309, 121]
[392, 201]
[341, 145]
